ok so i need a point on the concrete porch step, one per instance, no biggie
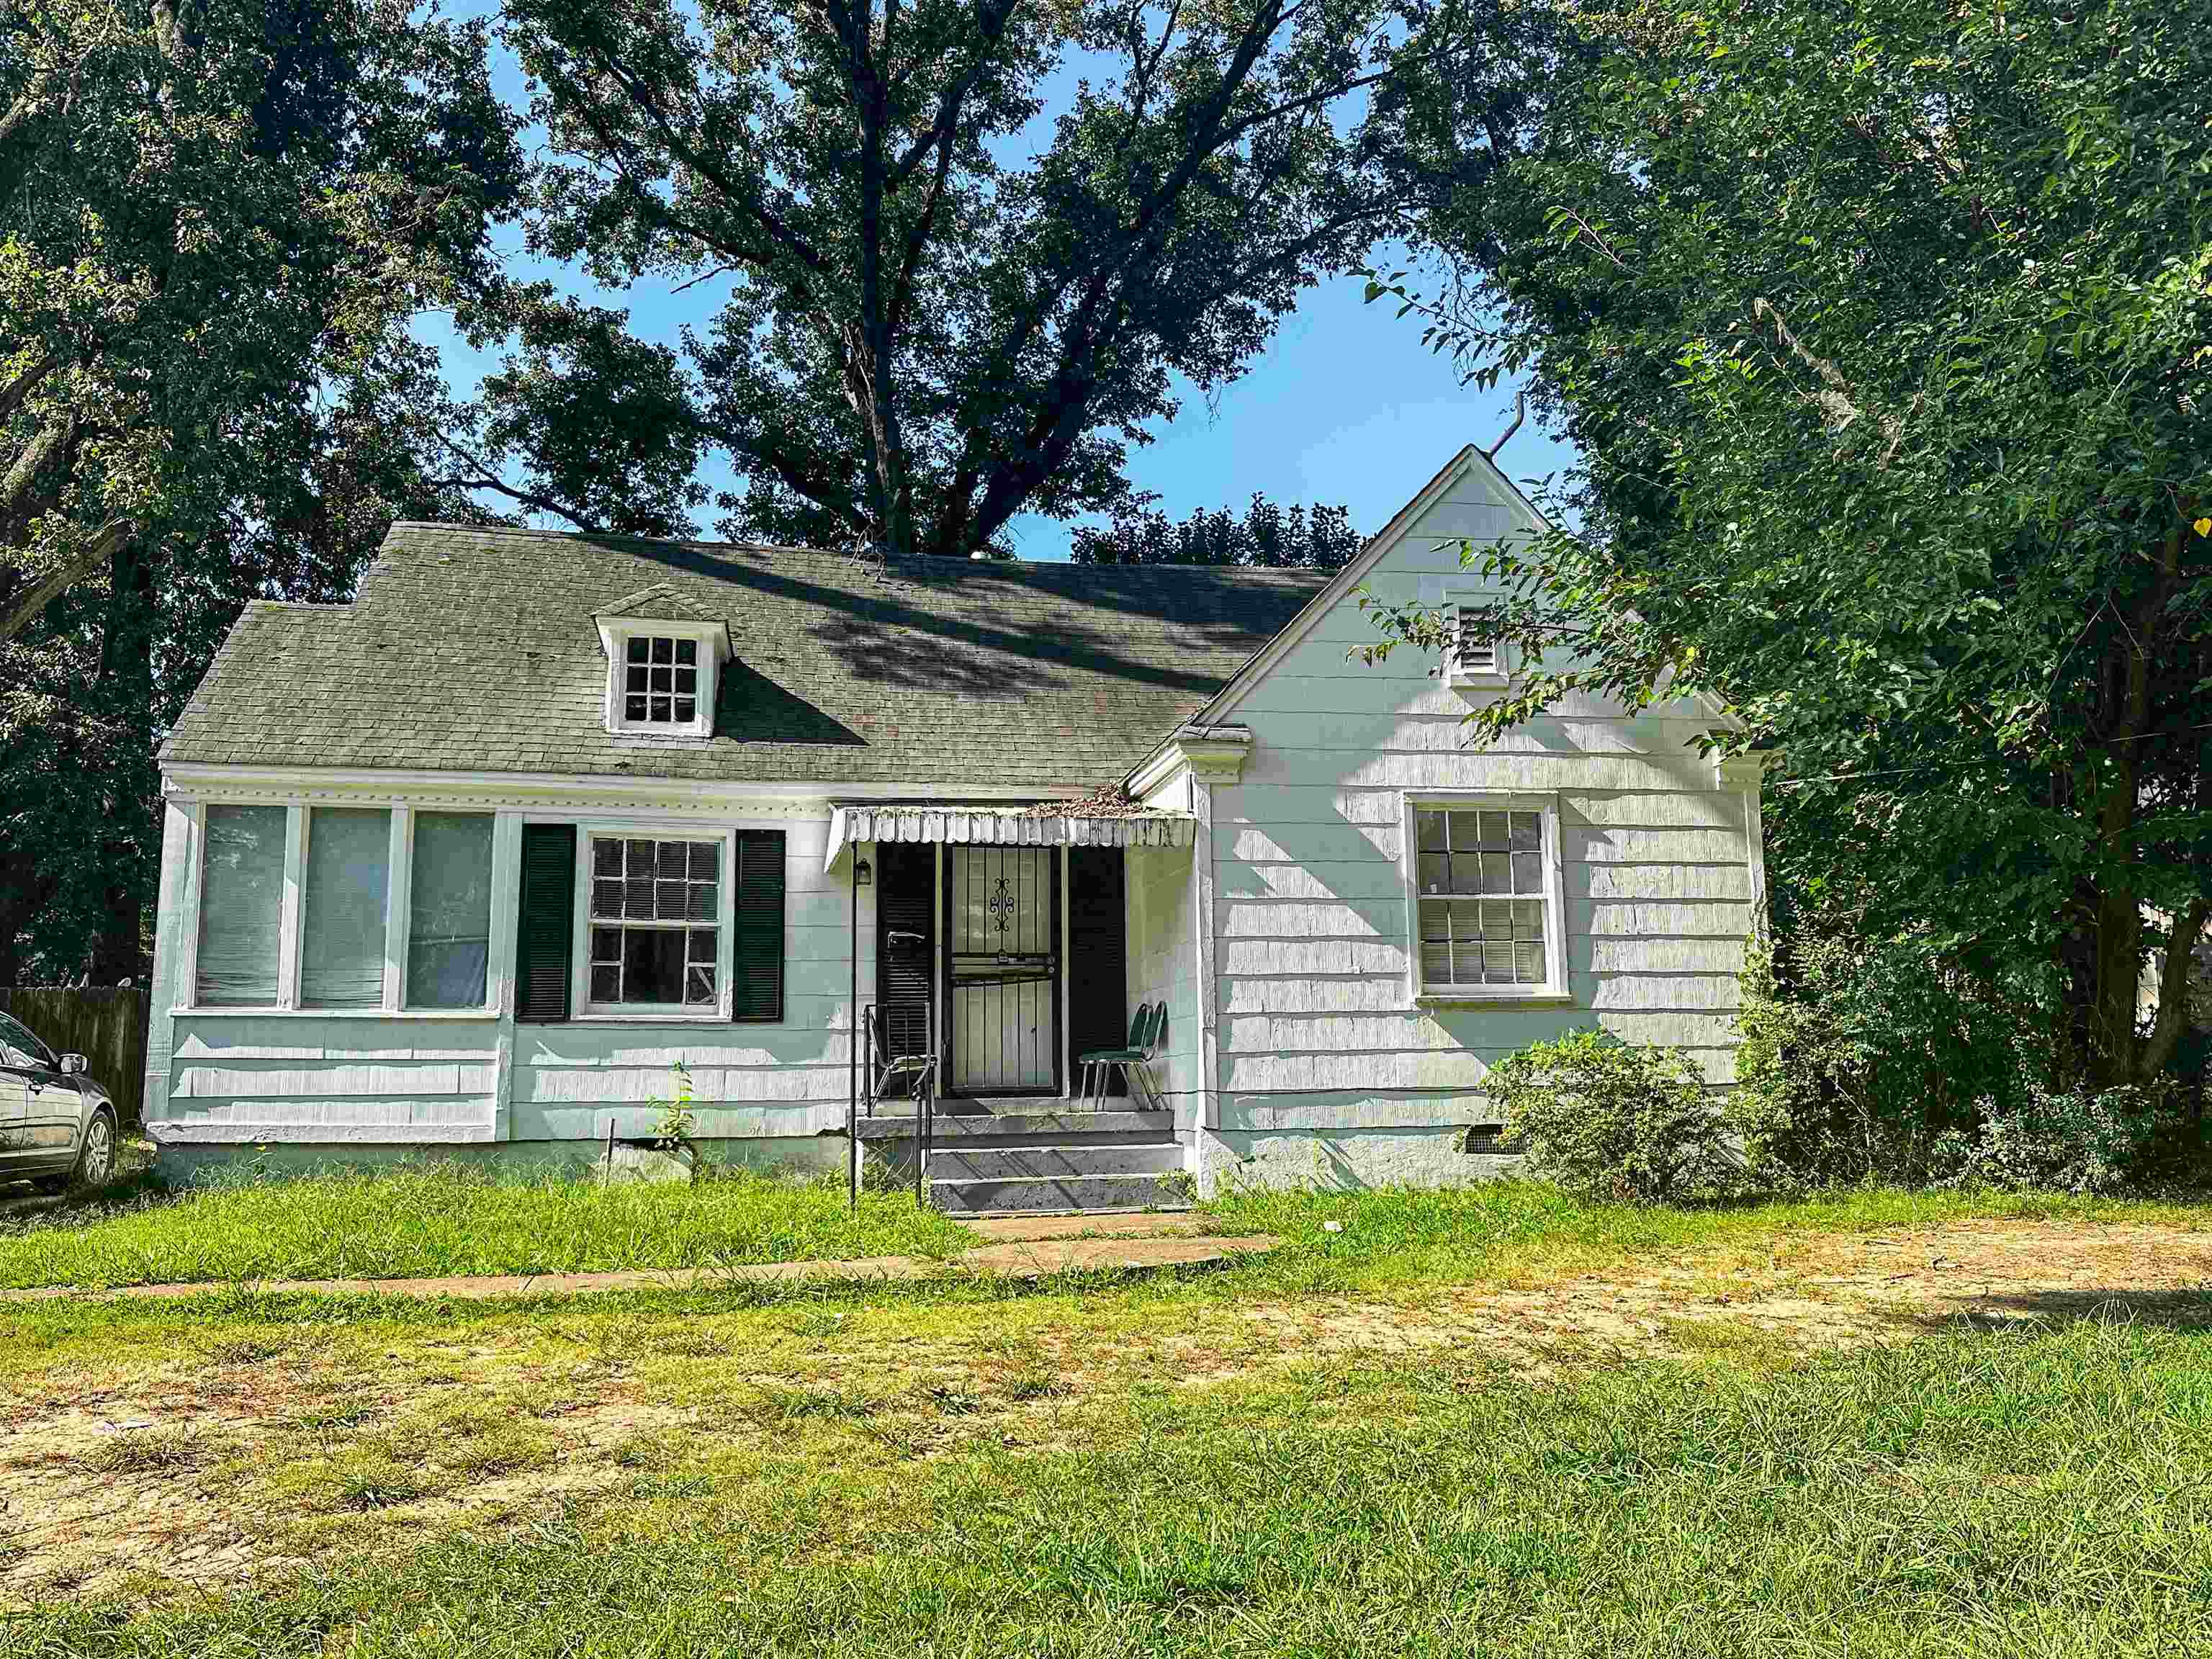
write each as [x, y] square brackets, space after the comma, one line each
[1061, 1194]
[1038, 1127]
[960, 1162]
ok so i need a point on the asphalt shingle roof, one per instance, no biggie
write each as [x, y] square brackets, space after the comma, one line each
[474, 650]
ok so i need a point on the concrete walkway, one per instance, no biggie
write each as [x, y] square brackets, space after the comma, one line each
[1023, 1247]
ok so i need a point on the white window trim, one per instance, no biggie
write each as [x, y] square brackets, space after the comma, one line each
[580, 1006]
[291, 919]
[1556, 988]
[1498, 677]
[713, 639]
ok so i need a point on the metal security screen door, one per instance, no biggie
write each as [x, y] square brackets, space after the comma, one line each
[1004, 932]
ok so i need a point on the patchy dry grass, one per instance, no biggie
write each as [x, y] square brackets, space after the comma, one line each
[1879, 1424]
[254, 1444]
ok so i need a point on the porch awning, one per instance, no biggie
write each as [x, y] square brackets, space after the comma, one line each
[1005, 826]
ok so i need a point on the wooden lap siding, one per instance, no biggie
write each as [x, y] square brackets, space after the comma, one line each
[244, 1079]
[1318, 1030]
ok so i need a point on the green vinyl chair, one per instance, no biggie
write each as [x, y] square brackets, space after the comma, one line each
[1147, 1027]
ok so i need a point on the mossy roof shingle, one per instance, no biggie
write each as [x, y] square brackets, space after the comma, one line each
[474, 650]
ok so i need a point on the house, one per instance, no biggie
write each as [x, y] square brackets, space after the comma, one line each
[470, 863]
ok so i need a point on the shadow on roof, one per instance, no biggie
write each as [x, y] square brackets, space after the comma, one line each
[751, 707]
[885, 629]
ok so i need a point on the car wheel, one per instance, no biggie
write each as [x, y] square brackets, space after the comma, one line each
[95, 1159]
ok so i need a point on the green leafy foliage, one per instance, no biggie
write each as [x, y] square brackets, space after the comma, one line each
[1872, 1060]
[1265, 536]
[675, 1126]
[2075, 1140]
[217, 220]
[1882, 329]
[1600, 1117]
[945, 307]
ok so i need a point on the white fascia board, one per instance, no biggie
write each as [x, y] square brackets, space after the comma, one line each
[1215, 753]
[1155, 774]
[615, 629]
[195, 781]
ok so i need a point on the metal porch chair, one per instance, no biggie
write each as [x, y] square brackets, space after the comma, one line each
[1147, 1031]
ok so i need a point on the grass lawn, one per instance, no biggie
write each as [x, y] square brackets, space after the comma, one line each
[1489, 1421]
[433, 1219]
[421, 1221]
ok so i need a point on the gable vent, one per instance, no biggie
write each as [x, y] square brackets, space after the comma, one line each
[1472, 655]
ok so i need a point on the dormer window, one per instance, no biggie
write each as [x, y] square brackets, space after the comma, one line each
[660, 681]
[664, 654]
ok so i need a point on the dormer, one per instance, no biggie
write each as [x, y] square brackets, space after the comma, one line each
[665, 654]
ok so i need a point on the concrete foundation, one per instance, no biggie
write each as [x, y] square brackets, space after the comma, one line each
[808, 1156]
[1343, 1160]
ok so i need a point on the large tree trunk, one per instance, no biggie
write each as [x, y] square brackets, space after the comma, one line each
[126, 697]
[2107, 976]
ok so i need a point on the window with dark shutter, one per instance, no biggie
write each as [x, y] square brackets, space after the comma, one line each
[757, 960]
[545, 922]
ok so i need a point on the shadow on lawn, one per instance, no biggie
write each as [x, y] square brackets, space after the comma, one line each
[2172, 1310]
[22, 1205]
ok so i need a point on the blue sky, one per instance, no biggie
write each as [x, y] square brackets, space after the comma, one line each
[1344, 406]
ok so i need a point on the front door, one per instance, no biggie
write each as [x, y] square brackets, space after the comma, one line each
[1003, 928]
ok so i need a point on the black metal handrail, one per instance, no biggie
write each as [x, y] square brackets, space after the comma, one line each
[879, 1065]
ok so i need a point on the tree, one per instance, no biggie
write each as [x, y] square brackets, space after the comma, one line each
[216, 219]
[207, 208]
[1265, 536]
[929, 330]
[1882, 329]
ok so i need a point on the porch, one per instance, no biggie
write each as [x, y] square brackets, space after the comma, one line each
[994, 947]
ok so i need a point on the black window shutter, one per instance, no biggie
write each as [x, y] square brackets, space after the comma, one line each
[545, 922]
[756, 958]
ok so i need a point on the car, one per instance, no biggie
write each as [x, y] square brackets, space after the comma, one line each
[57, 1124]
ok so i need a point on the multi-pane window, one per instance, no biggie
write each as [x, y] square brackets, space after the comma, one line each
[341, 907]
[1481, 894]
[241, 906]
[660, 681]
[449, 911]
[343, 902]
[654, 915]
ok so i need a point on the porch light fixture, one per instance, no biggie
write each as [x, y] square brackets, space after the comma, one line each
[864, 873]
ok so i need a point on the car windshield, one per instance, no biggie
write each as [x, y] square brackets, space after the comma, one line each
[18, 1037]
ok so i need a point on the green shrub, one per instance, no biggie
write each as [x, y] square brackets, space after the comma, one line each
[2075, 1141]
[1631, 1125]
[1869, 1062]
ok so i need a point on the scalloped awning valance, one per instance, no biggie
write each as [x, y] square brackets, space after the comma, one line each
[957, 823]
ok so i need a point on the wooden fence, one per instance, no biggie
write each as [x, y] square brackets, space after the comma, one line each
[106, 1024]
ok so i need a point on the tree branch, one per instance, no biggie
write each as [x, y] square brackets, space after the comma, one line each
[482, 476]
[13, 394]
[88, 558]
[1837, 396]
[17, 489]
